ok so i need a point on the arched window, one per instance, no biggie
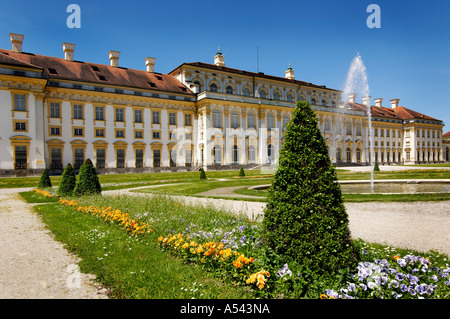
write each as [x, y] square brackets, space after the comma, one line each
[217, 118]
[251, 155]
[199, 85]
[234, 119]
[251, 120]
[270, 121]
[229, 89]
[324, 103]
[327, 125]
[276, 96]
[235, 155]
[313, 101]
[285, 122]
[213, 87]
[262, 94]
[270, 153]
[290, 98]
[246, 92]
[217, 153]
[300, 98]
[333, 104]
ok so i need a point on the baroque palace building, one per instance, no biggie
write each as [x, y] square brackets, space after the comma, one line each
[61, 110]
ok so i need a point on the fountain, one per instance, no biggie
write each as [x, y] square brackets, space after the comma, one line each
[357, 83]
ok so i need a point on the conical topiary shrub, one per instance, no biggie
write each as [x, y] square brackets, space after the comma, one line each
[87, 183]
[44, 181]
[241, 172]
[68, 181]
[202, 174]
[376, 168]
[305, 219]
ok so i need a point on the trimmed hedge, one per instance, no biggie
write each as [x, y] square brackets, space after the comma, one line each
[44, 181]
[68, 181]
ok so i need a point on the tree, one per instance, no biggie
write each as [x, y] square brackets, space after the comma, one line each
[202, 174]
[68, 181]
[305, 218]
[87, 183]
[44, 181]
[241, 172]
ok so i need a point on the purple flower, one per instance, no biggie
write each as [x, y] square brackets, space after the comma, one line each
[403, 288]
[401, 262]
[411, 291]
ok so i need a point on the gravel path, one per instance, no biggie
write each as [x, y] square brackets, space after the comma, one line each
[32, 264]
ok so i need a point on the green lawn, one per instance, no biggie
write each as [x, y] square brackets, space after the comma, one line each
[137, 268]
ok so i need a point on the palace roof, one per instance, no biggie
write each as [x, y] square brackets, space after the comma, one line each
[58, 68]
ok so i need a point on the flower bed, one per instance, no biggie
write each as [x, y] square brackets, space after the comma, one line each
[132, 226]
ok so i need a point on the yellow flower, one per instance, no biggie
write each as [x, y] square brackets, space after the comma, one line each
[323, 296]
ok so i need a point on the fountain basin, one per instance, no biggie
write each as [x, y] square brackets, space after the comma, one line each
[387, 187]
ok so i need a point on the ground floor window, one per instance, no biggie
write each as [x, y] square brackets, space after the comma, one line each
[21, 157]
[79, 157]
[101, 158]
[235, 155]
[173, 158]
[55, 158]
[358, 155]
[217, 153]
[156, 158]
[139, 160]
[251, 155]
[120, 158]
[188, 158]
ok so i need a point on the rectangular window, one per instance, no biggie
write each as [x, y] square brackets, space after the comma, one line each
[188, 136]
[119, 115]
[138, 134]
[55, 131]
[120, 158]
[120, 133]
[139, 158]
[78, 112]
[55, 110]
[172, 119]
[138, 116]
[156, 135]
[382, 132]
[172, 136]
[21, 126]
[20, 102]
[155, 117]
[99, 132]
[77, 132]
[187, 119]
[101, 158]
[99, 113]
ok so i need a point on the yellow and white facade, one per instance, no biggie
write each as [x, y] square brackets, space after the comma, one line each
[60, 110]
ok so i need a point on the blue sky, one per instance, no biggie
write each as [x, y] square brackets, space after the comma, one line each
[407, 58]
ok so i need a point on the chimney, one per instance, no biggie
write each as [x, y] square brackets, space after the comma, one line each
[352, 98]
[366, 100]
[290, 73]
[16, 42]
[68, 51]
[114, 58]
[394, 103]
[379, 102]
[219, 59]
[150, 64]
